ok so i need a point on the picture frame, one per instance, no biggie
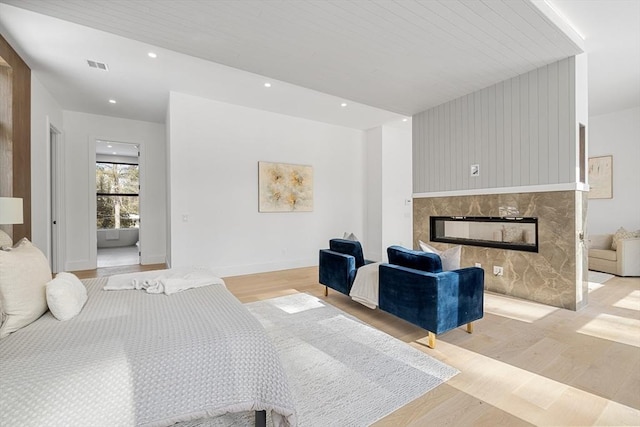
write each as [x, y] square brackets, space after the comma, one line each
[284, 187]
[601, 177]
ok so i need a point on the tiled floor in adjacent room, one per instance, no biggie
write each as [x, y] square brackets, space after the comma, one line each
[112, 257]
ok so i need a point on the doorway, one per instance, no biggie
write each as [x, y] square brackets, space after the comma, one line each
[117, 203]
[55, 200]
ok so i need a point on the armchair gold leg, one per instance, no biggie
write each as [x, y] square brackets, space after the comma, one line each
[470, 327]
[430, 340]
[326, 291]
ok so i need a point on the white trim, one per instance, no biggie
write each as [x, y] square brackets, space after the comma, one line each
[58, 181]
[573, 186]
[93, 233]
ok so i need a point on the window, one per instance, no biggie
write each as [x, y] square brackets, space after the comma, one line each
[118, 203]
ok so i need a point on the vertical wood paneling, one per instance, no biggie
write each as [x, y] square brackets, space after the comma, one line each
[573, 122]
[564, 125]
[534, 156]
[464, 169]
[515, 132]
[458, 141]
[508, 139]
[499, 133]
[493, 152]
[523, 160]
[446, 172]
[477, 137]
[17, 175]
[484, 139]
[543, 126]
[553, 122]
[521, 132]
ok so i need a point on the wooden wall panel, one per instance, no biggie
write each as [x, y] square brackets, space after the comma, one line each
[18, 173]
[521, 132]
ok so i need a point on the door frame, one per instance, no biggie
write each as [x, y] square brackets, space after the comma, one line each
[56, 198]
[93, 229]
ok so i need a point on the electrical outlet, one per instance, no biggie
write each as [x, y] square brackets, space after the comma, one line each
[478, 265]
[497, 270]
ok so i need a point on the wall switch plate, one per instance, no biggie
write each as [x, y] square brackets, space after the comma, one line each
[497, 270]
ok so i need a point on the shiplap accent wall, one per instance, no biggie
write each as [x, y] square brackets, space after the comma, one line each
[521, 131]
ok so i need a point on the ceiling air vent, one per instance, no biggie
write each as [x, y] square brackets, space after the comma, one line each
[98, 65]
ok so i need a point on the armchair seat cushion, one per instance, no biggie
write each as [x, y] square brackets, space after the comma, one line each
[603, 254]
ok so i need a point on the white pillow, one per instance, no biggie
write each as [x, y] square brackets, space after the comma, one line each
[450, 258]
[24, 273]
[622, 234]
[5, 240]
[66, 296]
[349, 236]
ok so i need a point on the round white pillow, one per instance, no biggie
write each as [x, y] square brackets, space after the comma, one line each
[66, 296]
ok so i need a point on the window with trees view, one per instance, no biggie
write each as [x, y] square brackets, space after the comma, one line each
[117, 187]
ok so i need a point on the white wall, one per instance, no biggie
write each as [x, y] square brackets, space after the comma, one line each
[396, 188]
[617, 134]
[45, 112]
[214, 149]
[81, 131]
[372, 240]
[388, 186]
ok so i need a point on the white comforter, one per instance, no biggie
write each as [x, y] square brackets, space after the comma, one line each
[131, 358]
[365, 285]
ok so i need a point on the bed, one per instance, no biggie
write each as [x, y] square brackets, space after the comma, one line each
[134, 358]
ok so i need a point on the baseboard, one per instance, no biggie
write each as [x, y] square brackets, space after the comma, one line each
[239, 270]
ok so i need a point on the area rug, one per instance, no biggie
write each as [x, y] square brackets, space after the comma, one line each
[342, 371]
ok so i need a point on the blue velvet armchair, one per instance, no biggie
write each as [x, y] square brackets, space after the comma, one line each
[413, 287]
[339, 263]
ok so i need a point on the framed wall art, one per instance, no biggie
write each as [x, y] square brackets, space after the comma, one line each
[601, 177]
[284, 187]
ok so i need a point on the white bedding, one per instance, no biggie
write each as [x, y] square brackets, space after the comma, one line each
[168, 281]
[132, 358]
[365, 285]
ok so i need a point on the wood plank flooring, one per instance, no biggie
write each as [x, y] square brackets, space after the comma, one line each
[525, 363]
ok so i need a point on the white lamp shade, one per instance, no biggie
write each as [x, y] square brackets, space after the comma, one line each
[10, 210]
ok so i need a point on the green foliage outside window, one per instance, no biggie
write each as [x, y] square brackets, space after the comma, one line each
[118, 204]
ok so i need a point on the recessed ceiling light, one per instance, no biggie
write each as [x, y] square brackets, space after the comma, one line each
[344, 104]
[115, 152]
[112, 101]
[405, 119]
[152, 55]
[267, 85]
[109, 146]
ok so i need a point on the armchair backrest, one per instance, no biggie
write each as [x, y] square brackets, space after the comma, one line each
[417, 260]
[348, 247]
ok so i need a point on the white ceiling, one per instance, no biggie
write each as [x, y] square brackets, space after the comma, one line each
[385, 59]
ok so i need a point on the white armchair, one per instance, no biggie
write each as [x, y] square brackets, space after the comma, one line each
[624, 261]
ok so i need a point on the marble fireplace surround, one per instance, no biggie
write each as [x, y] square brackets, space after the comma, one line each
[553, 276]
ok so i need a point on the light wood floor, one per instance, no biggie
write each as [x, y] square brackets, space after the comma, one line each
[525, 363]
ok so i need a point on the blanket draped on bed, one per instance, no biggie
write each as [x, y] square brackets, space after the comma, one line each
[132, 358]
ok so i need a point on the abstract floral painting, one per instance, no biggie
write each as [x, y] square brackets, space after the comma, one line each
[284, 187]
[600, 177]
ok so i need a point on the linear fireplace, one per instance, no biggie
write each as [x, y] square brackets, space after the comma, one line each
[515, 233]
